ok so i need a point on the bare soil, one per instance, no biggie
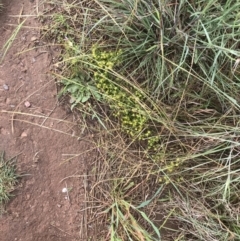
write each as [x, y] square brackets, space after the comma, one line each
[43, 136]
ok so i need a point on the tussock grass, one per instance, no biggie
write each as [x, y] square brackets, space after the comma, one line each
[8, 180]
[178, 71]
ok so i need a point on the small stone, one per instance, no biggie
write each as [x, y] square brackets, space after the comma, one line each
[59, 205]
[34, 38]
[64, 190]
[5, 87]
[27, 104]
[24, 134]
[8, 101]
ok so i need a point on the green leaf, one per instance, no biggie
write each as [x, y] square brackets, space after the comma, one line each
[73, 88]
[145, 203]
[86, 98]
[150, 222]
[79, 97]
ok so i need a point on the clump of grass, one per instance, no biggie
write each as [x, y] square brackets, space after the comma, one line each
[119, 183]
[178, 71]
[8, 180]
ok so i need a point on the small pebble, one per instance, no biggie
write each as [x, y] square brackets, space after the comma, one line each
[24, 134]
[64, 190]
[34, 38]
[27, 104]
[5, 87]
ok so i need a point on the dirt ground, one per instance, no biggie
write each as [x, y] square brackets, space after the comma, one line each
[46, 158]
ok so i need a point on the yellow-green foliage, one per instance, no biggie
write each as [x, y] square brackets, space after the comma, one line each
[168, 169]
[127, 103]
[123, 99]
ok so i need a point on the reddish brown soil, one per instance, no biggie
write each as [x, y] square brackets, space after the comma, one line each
[39, 210]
